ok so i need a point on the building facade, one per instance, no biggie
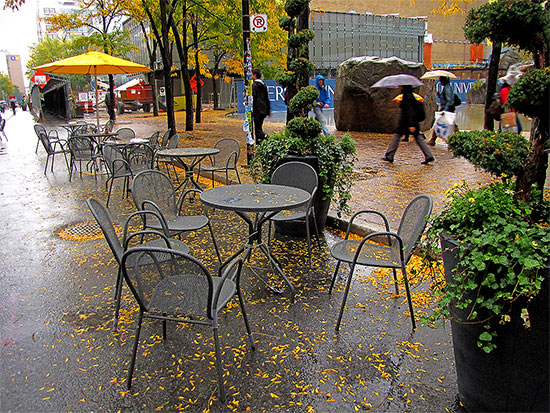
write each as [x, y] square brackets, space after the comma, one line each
[15, 71]
[50, 8]
[445, 41]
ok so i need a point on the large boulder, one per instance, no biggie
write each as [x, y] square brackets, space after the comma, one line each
[358, 107]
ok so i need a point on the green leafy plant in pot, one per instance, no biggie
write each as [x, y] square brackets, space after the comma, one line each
[495, 245]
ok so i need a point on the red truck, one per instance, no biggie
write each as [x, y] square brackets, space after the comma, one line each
[134, 95]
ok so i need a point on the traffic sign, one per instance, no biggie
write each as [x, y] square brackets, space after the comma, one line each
[40, 79]
[258, 23]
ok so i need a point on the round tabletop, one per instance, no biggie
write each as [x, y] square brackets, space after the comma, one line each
[255, 197]
[117, 141]
[183, 152]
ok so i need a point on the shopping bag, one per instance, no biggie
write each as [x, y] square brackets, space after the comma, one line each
[508, 121]
[444, 124]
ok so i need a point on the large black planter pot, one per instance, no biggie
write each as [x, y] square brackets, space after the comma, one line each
[514, 376]
[321, 205]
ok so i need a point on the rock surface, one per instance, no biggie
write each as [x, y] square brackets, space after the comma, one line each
[358, 107]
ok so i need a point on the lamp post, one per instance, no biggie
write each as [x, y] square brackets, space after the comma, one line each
[247, 81]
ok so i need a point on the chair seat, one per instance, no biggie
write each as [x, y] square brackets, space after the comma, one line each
[212, 168]
[373, 255]
[186, 295]
[182, 223]
[290, 214]
[175, 244]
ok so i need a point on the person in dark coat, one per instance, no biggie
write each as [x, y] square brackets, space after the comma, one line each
[260, 104]
[412, 113]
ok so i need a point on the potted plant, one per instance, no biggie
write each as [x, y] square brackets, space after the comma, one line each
[495, 245]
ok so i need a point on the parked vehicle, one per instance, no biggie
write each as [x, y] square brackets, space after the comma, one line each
[134, 95]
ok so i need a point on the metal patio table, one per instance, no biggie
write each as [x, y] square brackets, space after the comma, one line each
[180, 154]
[265, 200]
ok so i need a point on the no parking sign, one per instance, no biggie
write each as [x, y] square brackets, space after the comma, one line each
[258, 23]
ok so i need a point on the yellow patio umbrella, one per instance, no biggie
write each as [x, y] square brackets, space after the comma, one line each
[93, 63]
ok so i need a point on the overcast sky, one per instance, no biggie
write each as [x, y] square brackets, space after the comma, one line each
[17, 33]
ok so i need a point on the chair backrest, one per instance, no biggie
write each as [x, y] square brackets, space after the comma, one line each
[179, 282]
[165, 138]
[103, 218]
[229, 148]
[115, 160]
[39, 128]
[81, 148]
[126, 133]
[43, 136]
[140, 156]
[297, 175]
[414, 222]
[155, 186]
[173, 142]
[154, 139]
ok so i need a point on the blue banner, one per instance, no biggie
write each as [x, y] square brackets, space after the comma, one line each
[277, 92]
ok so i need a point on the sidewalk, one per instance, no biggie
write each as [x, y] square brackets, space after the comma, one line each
[58, 352]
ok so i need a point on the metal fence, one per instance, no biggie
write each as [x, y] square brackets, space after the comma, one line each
[339, 36]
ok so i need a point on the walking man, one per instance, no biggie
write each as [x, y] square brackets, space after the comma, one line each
[260, 104]
[323, 101]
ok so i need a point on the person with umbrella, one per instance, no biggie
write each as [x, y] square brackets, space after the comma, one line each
[412, 113]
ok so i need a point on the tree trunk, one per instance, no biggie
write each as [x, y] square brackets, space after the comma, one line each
[166, 69]
[198, 109]
[536, 164]
[111, 105]
[492, 77]
[215, 92]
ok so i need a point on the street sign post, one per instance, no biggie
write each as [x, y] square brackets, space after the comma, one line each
[247, 126]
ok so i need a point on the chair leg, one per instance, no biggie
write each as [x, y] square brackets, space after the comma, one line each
[53, 160]
[118, 294]
[134, 352]
[164, 328]
[37, 144]
[46, 167]
[109, 195]
[404, 272]
[334, 277]
[248, 330]
[345, 297]
[214, 241]
[308, 236]
[395, 280]
[218, 363]
[238, 177]
[316, 229]
[212, 178]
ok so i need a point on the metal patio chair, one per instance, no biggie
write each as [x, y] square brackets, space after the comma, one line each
[146, 238]
[140, 156]
[303, 176]
[165, 138]
[117, 167]
[153, 140]
[225, 160]
[172, 286]
[154, 190]
[3, 126]
[396, 254]
[53, 146]
[51, 134]
[82, 149]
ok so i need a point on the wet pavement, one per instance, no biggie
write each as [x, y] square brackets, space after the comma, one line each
[59, 353]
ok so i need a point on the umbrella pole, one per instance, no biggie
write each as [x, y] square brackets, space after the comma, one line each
[96, 105]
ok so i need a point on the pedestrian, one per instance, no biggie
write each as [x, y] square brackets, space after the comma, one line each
[12, 103]
[446, 102]
[508, 81]
[323, 102]
[412, 113]
[260, 104]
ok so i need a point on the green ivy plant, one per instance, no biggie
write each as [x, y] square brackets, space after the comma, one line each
[335, 158]
[504, 248]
